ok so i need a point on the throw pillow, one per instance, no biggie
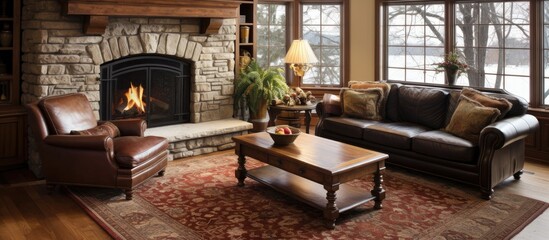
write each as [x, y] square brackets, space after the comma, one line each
[500, 103]
[469, 118]
[370, 84]
[106, 128]
[361, 103]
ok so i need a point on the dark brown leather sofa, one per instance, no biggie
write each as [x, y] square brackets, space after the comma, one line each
[122, 162]
[411, 133]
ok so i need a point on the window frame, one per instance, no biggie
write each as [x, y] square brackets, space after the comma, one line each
[294, 21]
[536, 42]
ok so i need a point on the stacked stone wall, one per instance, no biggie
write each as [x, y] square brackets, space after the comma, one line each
[58, 58]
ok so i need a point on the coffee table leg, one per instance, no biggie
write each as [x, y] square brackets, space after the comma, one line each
[331, 212]
[240, 172]
[378, 190]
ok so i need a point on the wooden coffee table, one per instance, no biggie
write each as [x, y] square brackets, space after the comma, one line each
[312, 169]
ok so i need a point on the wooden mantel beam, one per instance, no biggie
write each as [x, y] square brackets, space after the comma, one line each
[98, 11]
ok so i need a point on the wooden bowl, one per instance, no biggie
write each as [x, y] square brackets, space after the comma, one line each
[283, 139]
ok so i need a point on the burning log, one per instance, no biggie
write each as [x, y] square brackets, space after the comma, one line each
[158, 103]
[134, 95]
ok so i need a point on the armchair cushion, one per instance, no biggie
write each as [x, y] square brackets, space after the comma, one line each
[106, 128]
[131, 151]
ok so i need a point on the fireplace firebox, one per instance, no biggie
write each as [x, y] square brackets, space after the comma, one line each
[152, 87]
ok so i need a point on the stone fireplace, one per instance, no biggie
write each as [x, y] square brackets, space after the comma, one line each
[58, 58]
[152, 87]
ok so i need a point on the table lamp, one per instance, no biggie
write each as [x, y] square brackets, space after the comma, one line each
[301, 57]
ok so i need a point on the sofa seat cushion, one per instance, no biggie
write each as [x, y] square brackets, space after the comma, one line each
[349, 127]
[396, 134]
[444, 145]
[131, 151]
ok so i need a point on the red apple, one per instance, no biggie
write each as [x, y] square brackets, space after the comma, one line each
[279, 131]
[287, 130]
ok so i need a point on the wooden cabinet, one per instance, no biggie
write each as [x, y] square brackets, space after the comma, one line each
[12, 138]
[12, 114]
[247, 20]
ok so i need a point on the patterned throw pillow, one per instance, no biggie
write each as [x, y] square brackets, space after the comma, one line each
[470, 118]
[500, 103]
[371, 84]
[361, 103]
[106, 128]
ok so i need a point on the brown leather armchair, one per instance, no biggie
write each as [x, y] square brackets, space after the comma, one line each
[92, 160]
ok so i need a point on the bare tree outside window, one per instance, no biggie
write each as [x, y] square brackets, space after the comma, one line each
[271, 27]
[321, 26]
[492, 37]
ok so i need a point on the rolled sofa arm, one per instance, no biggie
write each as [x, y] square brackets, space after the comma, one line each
[330, 106]
[93, 142]
[509, 130]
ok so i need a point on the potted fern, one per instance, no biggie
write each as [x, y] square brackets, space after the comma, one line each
[258, 87]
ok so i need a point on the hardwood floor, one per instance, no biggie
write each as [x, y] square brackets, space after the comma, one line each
[27, 211]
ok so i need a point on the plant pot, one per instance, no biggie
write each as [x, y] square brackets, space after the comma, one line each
[259, 118]
[451, 76]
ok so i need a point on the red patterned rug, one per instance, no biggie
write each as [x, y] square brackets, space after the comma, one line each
[199, 199]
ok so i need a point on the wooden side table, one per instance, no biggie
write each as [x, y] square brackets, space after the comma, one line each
[274, 110]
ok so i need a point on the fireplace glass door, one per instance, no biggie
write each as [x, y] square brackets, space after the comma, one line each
[151, 87]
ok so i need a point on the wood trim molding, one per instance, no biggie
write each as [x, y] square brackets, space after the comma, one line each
[97, 12]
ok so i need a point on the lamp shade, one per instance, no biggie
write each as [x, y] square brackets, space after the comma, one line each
[300, 53]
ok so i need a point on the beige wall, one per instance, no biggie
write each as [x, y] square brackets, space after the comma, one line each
[362, 40]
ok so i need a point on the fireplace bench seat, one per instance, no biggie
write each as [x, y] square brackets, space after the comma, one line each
[191, 139]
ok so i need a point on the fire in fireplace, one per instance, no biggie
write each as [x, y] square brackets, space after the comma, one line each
[152, 87]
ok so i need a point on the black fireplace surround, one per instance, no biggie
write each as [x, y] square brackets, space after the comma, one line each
[152, 87]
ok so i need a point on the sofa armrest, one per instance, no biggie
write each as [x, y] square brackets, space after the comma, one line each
[508, 130]
[88, 142]
[330, 106]
[131, 127]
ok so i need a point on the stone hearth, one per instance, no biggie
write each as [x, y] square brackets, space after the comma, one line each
[198, 138]
[58, 58]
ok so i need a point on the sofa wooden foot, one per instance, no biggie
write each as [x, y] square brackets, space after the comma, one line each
[487, 194]
[129, 194]
[517, 175]
[161, 173]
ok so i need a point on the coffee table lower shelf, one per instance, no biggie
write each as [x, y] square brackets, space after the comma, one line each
[308, 191]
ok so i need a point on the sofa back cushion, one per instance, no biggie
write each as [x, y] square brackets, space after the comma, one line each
[391, 106]
[424, 106]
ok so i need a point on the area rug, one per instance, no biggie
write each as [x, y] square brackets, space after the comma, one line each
[199, 199]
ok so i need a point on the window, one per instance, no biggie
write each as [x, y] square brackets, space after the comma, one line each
[545, 94]
[272, 34]
[321, 22]
[321, 26]
[415, 40]
[493, 38]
